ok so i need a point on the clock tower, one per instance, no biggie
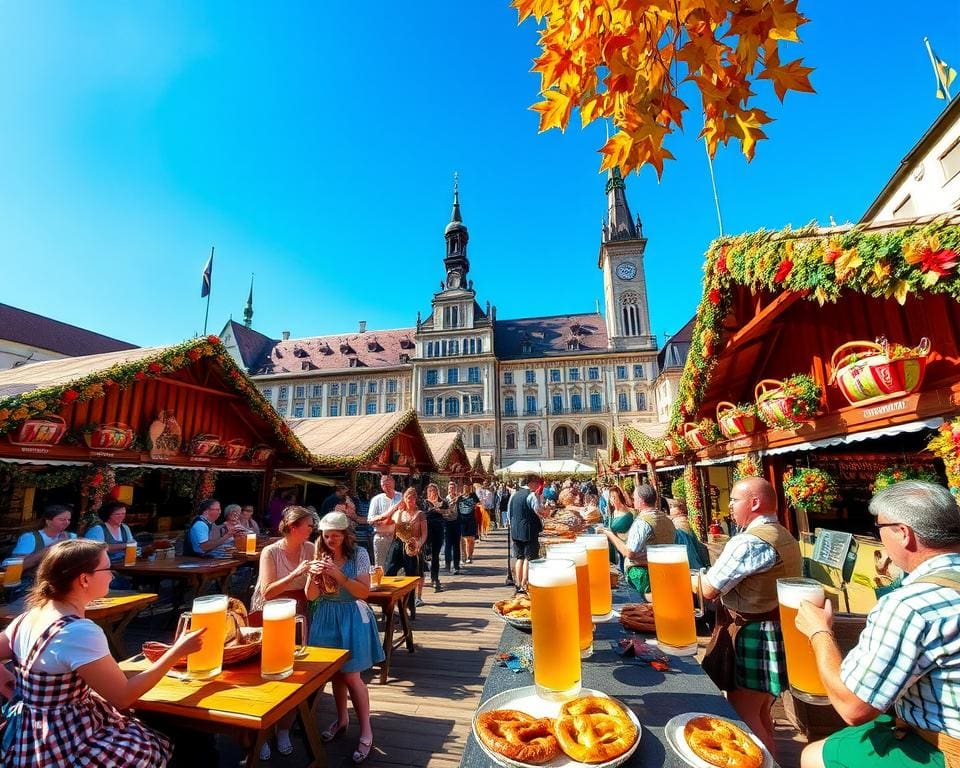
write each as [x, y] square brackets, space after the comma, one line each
[624, 282]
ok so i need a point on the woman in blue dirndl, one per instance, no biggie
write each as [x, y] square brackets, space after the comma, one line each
[341, 618]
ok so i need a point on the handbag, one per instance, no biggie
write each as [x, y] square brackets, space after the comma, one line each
[720, 656]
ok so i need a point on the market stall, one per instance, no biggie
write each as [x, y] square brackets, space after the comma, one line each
[449, 456]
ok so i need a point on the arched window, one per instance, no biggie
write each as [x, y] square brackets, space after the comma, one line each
[476, 437]
[532, 438]
[630, 314]
[511, 440]
[561, 437]
[593, 436]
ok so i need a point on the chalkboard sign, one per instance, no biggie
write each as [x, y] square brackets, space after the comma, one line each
[831, 547]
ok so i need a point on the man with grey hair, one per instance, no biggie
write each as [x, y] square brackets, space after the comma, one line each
[908, 654]
[383, 508]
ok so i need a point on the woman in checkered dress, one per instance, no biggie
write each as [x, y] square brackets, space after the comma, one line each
[68, 688]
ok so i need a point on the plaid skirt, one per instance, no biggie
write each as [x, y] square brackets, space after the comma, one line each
[761, 662]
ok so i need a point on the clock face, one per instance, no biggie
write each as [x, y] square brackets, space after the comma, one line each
[626, 270]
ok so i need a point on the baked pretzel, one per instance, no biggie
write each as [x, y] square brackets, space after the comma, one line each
[516, 607]
[595, 738]
[638, 617]
[721, 743]
[518, 736]
[594, 705]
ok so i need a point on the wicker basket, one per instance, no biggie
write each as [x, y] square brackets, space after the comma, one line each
[46, 431]
[232, 652]
[865, 373]
[778, 407]
[694, 436]
[234, 450]
[734, 426]
[110, 437]
[206, 445]
[261, 454]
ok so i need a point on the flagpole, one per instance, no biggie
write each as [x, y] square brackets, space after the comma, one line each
[206, 315]
[937, 72]
[713, 183]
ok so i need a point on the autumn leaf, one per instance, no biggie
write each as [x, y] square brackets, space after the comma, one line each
[880, 274]
[899, 290]
[748, 128]
[555, 111]
[788, 77]
[846, 264]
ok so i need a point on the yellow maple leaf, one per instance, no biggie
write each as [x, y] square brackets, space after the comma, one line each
[846, 264]
[787, 77]
[555, 111]
[880, 274]
[748, 125]
[820, 295]
[899, 290]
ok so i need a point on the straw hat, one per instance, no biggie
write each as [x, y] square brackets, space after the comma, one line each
[334, 521]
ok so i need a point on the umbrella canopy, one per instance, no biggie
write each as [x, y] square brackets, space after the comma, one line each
[549, 468]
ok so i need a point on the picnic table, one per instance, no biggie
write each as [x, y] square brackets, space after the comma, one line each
[654, 696]
[240, 704]
[113, 613]
[196, 573]
[393, 594]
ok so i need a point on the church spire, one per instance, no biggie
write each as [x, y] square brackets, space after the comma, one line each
[248, 310]
[620, 224]
[455, 261]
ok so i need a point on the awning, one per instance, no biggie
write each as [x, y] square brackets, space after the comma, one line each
[46, 462]
[307, 477]
[669, 469]
[725, 459]
[190, 468]
[857, 437]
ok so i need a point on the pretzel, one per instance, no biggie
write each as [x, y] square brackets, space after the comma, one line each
[638, 618]
[721, 743]
[593, 705]
[518, 736]
[516, 607]
[595, 738]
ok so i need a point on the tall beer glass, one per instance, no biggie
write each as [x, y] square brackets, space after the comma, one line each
[598, 565]
[555, 628]
[250, 542]
[279, 638]
[130, 553]
[13, 571]
[578, 554]
[672, 598]
[209, 612]
[802, 672]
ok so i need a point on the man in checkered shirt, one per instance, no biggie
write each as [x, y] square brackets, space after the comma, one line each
[908, 655]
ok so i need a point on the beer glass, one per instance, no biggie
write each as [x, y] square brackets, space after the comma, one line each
[598, 565]
[13, 571]
[251, 543]
[209, 612]
[578, 554]
[552, 585]
[672, 598]
[376, 576]
[130, 553]
[279, 646]
[802, 672]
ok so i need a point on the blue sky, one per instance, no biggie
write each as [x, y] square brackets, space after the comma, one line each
[314, 145]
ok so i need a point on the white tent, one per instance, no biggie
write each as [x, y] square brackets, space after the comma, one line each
[547, 468]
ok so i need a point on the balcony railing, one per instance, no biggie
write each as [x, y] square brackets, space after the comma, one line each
[577, 411]
[533, 412]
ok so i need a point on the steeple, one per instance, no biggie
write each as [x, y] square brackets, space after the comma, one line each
[620, 224]
[456, 262]
[248, 310]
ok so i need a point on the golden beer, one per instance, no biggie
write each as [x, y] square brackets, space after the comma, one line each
[251, 543]
[209, 612]
[279, 644]
[672, 598]
[598, 565]
[130, 553]
[556, 633]
[13, 571]
[802, 672]
[578, 554]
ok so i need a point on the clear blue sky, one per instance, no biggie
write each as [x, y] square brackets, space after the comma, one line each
[314, 144]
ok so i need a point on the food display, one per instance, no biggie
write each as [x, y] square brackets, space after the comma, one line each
[518, 736]
[517, 607]
[719, 742]
[591, 515]
[638, 617]
[563, 526]
[594, 729]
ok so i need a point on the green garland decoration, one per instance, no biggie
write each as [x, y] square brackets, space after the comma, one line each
[900, 472]
[678, 489]
[895, 264]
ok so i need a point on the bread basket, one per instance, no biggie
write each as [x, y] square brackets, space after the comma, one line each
[243, 641]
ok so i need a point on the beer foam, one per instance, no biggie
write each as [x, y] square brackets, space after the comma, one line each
[792, 592]
[667, 553]
[210, 604]
[552, 573]
[575, 552]
[592, 540]
[276, 610]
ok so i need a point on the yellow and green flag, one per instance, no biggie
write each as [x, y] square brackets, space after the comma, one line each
[945, 74]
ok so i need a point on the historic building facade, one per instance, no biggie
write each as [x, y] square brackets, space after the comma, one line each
[530, 388]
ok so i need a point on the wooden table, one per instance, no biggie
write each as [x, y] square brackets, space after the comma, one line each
[393, 593]
[197, 573]
[240, 704]
[113, 613]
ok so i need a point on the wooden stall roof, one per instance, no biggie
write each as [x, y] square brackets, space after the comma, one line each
[350, 442]
[448, 452]
[476, 462]
[779, 303]
[198, 379]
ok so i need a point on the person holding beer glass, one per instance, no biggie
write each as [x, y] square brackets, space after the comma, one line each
[284, 570]
[340, 584]
[908, 655]
[434, 507]
[748, 614]
[70, 692]
[651, 526]
[411, 533]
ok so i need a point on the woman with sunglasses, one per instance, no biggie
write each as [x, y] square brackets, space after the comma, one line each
[70, 693]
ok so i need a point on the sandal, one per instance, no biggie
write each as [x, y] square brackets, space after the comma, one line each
[333, 731]
[363, 751]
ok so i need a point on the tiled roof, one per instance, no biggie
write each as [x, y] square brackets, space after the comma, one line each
[550, 336]
[372, 349]
[252, 345]
[45, 333]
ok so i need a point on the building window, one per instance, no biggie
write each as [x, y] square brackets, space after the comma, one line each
[431, 378]
[351, 409]
[529, 377]
[352, 388]
[391, 406]
[283, 393]
[371, 407]
[428, 407]
[532, 438]
[508, 377]
[429, 349]
[511, 440]
[268, 393]
[526, 348]
[454, 347]
[334, 409]
[476, 437]
[298, 411]
[298, 392]
[557, 404]
[950, 161]
[473, 346]
[638, 372]
[480, 346]
[371, 387]
[554, 375]
[443, 348]
[593, 374]
[561, 438]
[452, 406]
[453, 374]
[476, 404]
[334, 390]
[621, 372]
[576, 402]
[473, 375]
[595, 401]
[314, 411]
[573, 374]
[509, 406]
[630, 314]
[466, 404]
[623, 401]
[391, 386]
[641, 401]
[531, 405]
[282, 410]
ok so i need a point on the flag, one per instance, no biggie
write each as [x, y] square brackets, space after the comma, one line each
[944, 73]
[207, 276]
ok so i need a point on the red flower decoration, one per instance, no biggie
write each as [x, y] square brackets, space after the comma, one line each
[194, 354]
[139, 375]
[154, 367]
[941, 262]
[783, 271]
[213, 339]
[69, 395]
[714, 296]
[722, 261]
[107, 383]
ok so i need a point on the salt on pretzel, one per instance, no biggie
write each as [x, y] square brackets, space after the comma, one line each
[596, 737]
[721, 743]
[517, 735]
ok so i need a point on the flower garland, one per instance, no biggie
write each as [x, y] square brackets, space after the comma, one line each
[900, 472]
[693, 497]
[811, 490]
[896, 263]
[206, 484]
[945, 445]
[97, 483]
[748, 466]
[678, 489]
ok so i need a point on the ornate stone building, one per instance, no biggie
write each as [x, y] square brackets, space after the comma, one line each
[531, 388]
